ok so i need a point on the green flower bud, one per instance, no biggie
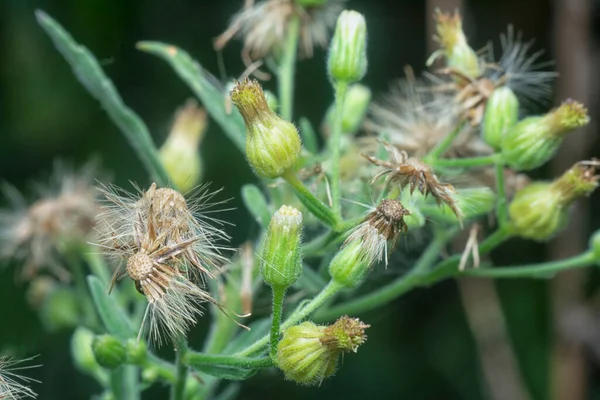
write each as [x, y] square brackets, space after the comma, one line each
[109, 351]
[61, 310]
[595, 246]
[137, 351]
[281, 259]
[150, 374]
[309, 353]
[347, 60]
[459, 55]
[81, 351]
[356, 105]
[179, 154]
[501, 113]
[473, 203]
[534, 140]
[272, 144]
[540, 210]
[350, 265]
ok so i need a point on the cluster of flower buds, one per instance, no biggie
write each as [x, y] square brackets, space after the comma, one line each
[309, 353]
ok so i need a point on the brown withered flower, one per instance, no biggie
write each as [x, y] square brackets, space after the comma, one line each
[165, 247]
[414, 173]
[378, 234]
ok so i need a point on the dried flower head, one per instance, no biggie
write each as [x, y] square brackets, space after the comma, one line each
[166, 245]
[14, 386]
[416, 115]
[412, 172]
[378, 234]
[264, 26]
[516, 69]
[345, 334]
[62, 216]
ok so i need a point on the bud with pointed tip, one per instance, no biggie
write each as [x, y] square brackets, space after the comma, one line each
[453, 42]
[272, 144]
[179, 154]
[347, 60]
[281, 258]
[309, 353]
[534, 140]
[109, 351]
[501, 113]
[540, 210]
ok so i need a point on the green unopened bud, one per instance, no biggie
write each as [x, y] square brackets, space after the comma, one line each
[356, 105]
[61, 309]
[281, 259]
[459, 55]
[350, 265]
[348, 50]
[501, 113]
[534, 140]
[309, 353]
[473, 203]
[81, 350]
[179, 154]
[272, 144]
[137, 351]
[595, 246]
[150, 374]
[109, 351]
[540, 210]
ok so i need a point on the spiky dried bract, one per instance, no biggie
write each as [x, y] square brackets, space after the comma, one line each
[416, 115]
[412, 172]
[168, 246]
[264, 26]
[378, 234]
[346, 334]
[13, 385]
[63, 215]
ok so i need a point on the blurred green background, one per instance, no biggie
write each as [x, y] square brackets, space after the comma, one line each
[421, 346]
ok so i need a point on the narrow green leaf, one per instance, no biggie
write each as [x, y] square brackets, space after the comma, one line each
[309, 137]
[206, 88]
[256, 203]
[113, 317]
[90, 74]
[226, 367]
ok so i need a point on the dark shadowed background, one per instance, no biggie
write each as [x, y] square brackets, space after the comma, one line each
[447, 342]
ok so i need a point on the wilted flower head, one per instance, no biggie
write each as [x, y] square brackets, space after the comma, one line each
[63, 215]
[412, 172]
[264, 26]
[415, 116]
[516, 69]
[166, 245]
[14, 386]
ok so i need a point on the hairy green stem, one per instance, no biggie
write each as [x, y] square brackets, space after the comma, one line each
[543, 270]
[178, 389]
[298, 315]
[501, 209]
[336, 137]
[466, 162]
[314, 205]
[287, 67]
[278, 297]
[444, 144]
